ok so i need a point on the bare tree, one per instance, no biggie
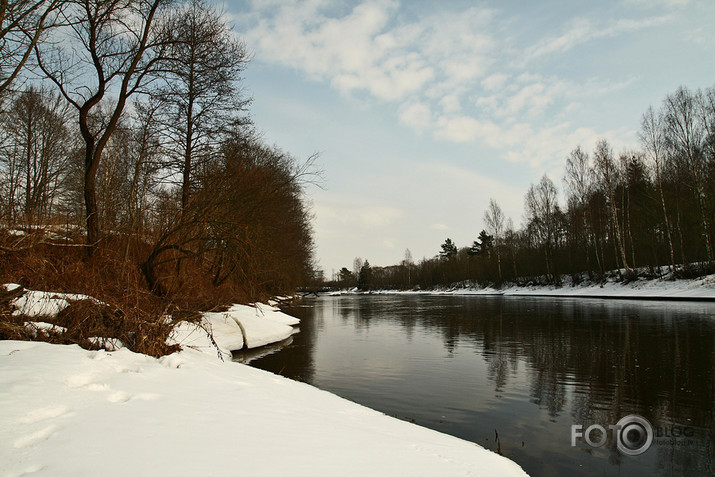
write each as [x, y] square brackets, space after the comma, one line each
[494, 221]
[22, 24]
[113, 47]
[686, 134]
[608, 177]
[579, 183]
[35, 154]
[201, 95]
[542, 211]
[652, 138]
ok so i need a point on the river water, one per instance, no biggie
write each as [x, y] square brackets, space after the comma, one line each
[516, 374]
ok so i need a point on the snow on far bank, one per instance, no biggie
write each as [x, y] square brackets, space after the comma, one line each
[702, 288]
[66, 411]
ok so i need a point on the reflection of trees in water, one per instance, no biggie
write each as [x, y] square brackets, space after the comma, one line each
[614, 359]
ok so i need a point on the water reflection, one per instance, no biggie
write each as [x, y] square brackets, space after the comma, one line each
[528, 367]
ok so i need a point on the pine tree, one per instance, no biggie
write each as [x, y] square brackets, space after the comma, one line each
[449, 249]
[483, 244]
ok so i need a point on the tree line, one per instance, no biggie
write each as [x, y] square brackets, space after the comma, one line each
[125, 123]
[634, 212]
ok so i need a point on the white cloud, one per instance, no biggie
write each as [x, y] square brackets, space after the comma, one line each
[583, 30]
[495, 81]
[459, 128]
[417, 115]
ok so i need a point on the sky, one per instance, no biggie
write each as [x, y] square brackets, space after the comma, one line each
[422, 111]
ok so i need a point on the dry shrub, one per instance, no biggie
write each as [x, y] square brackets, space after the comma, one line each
[126, 310]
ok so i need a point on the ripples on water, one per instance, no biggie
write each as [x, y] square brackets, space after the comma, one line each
[524, 368]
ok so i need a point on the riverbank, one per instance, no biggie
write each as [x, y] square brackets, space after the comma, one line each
[67, 411]
[663, 288]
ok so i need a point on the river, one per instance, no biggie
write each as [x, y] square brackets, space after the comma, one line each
[516, 375]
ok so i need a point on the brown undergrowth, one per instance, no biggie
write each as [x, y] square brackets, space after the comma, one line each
[122, 308]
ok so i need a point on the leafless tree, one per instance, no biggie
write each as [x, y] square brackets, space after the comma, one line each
[652, 138]
[608, 178]
[686, 136]
[22, 24]
[494, 221]
[200, 95]
[110, 48]
[542, 212]
[579, 184]
[37, 145]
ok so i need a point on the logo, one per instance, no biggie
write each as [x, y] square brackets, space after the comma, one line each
[633, 434]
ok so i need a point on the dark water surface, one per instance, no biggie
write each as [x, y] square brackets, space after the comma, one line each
[525, 368]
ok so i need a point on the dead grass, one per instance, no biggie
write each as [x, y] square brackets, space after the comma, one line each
[125, 309]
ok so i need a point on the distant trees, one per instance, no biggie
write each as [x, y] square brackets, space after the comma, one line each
[543, 217]
[494, 220]
[641, 208]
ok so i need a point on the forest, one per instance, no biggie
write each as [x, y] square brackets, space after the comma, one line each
[130, 167]
[637, 212]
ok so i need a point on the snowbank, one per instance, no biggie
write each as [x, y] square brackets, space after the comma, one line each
[65, 411]
[41, 304]
[661, 289]
[238, 327]
[683, 289]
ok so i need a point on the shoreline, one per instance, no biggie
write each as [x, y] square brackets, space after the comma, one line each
[697, 289]
[68, 412]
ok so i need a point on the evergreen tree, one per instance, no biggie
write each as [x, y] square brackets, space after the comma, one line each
[449, 249]
[483, 244]
[365, 276]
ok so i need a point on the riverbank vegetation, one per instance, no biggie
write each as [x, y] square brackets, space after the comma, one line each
[130, 169]
[634, 212]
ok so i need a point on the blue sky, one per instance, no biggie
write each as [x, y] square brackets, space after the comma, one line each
[422, 110]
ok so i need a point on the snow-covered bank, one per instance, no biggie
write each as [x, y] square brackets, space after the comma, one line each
[702, 288]
[241, 326]
[66, 411]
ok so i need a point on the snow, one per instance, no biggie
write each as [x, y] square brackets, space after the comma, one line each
[42, 304]
[221, 332]
[238, 327]
[35, 327]
[66, 411]
[692, 289]
[702, 288]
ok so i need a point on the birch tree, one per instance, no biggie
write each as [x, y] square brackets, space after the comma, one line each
[608, 177]
[686, 137]
[494, 221]
[652, 138]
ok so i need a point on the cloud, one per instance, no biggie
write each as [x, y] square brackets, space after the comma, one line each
[366, 49]
[456, 75]
[417, 115]
[582, 30]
